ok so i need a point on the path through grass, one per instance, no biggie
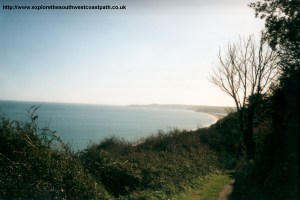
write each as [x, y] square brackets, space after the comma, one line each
[216, 185]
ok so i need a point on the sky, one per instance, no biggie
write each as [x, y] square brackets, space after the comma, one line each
[154, 51]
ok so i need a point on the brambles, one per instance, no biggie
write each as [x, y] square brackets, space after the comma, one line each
[166, 163]
[32, 168]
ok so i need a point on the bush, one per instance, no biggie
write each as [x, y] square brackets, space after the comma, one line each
[32, 168]
[164, 164]
[224, 137]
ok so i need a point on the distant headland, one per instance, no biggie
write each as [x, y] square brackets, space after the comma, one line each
[217, 111]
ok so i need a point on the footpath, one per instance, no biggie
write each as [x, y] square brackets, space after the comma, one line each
[219, 187]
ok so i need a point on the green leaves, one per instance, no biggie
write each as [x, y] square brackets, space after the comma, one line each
[31, 168]
[163, 164]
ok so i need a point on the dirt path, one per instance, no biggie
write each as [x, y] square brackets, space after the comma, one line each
[218, 188]
[226, 191]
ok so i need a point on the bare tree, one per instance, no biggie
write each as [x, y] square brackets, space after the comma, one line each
[245, 72]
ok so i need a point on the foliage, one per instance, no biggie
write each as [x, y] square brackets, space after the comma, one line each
[224, 137]
[36, 164]
[164, 164]
[274, 172]
[30, 168]
[282, 23]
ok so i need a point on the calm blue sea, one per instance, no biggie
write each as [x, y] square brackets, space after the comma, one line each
[80, 124]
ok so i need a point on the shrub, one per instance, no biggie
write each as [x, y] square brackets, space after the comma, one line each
[31, 168]
[164, 164]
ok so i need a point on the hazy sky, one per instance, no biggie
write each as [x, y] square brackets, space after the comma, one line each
[155, 51]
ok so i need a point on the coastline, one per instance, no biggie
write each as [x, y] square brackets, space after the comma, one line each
[218, 116]
[215, 112]
[212, 116]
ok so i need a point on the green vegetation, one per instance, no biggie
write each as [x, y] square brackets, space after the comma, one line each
[36, 164]
[214, 187]
[165, 163]
[32, 166]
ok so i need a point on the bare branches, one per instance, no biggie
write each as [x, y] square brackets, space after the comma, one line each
[245, 69]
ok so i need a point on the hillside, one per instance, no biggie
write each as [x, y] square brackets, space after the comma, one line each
[35, 163]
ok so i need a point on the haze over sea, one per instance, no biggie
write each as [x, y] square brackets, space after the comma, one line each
[80, 124]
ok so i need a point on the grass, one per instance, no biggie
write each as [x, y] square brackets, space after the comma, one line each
[211, 189]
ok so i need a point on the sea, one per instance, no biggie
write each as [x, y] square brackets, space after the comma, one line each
[84, 124]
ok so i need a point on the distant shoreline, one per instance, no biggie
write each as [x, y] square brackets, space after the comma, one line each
[213, 116]
[217, 112]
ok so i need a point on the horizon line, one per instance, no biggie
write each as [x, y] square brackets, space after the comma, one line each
[107, 104]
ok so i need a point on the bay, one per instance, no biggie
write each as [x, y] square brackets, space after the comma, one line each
[80, 124]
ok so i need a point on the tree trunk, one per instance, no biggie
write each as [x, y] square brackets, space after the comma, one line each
[248, 134]
[246, 116]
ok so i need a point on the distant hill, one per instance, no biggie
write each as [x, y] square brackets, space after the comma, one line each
[217, 111]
